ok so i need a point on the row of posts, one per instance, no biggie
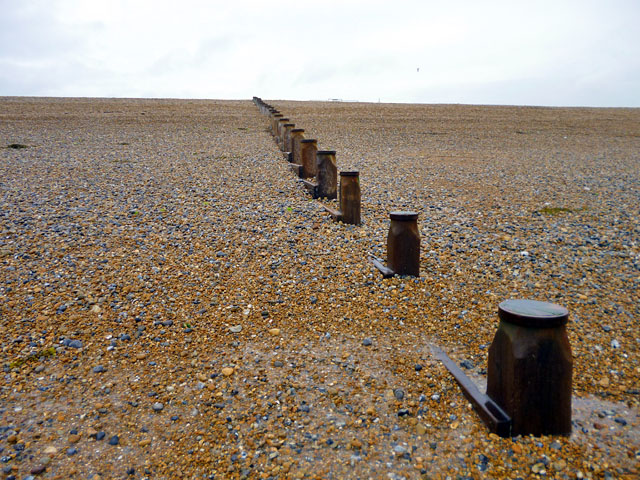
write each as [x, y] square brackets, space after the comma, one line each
[311, 164]
[529, 374]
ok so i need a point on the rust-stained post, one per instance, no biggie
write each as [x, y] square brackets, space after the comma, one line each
[281, 123]
[530, 367]
[297, 135]
[350, 197]
[327, 174]
[286, 136]
[275, 122]
[308, 151]
[403, 244]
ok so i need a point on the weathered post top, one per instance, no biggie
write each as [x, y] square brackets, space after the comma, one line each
[532, 313]
[403, 216]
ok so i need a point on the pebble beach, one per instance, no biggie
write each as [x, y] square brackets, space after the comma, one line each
[173, 304]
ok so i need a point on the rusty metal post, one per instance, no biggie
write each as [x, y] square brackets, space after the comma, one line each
[530, 367]
[327, 174]
[350, 197]
[286, 136]
[297, 135]
[308, 151]
[403, 244]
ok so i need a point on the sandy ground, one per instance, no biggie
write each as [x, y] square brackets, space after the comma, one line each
[174, 305]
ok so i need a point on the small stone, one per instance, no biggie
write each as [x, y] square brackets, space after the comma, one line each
[604, 382]
[355, 444]
[615, 343]
[96, 309]
[37, 470]
[559, 465]
[50, 450]
[399, 450]
[227, 371]
[100, 435]
[74, 438]
[114, 440]
[367, 342]
[538, 468]
[39, 368]
[278, 364]
[403, 412]
[235, 329]
[157, 407]
[72, 451]
[398, 393]
[98, 369]
[144, 442]
[421, 429]
[417, 367]
[371, 410]
[274, 331]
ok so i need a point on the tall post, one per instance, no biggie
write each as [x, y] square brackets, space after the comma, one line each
[530, 367]
[275, 122]
[327, 174]
[308, 152]
[297, 135]
[350, 197]
[281, 123]
[403, 244]
[286, 136]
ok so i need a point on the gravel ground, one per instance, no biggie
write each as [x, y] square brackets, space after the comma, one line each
[173, 304]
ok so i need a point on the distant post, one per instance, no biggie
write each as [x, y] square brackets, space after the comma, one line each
[350, 197]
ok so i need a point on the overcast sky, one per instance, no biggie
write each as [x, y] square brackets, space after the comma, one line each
[531, 52]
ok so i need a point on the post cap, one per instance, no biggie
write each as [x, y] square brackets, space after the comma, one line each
[532, 313]
[350, 173]
[296, 130]
[289, 124]
[309, 140]
[326, 152]
[403, 216]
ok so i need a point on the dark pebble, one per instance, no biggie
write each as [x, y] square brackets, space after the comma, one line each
[403, 412]
[418, 367]
[367, 342]
[37, 470]
[98, 369]
[72, 451]
[621, 421]
[100, 435]
[131, 471]
[398, 393]
[466, 364]
[114, 440]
